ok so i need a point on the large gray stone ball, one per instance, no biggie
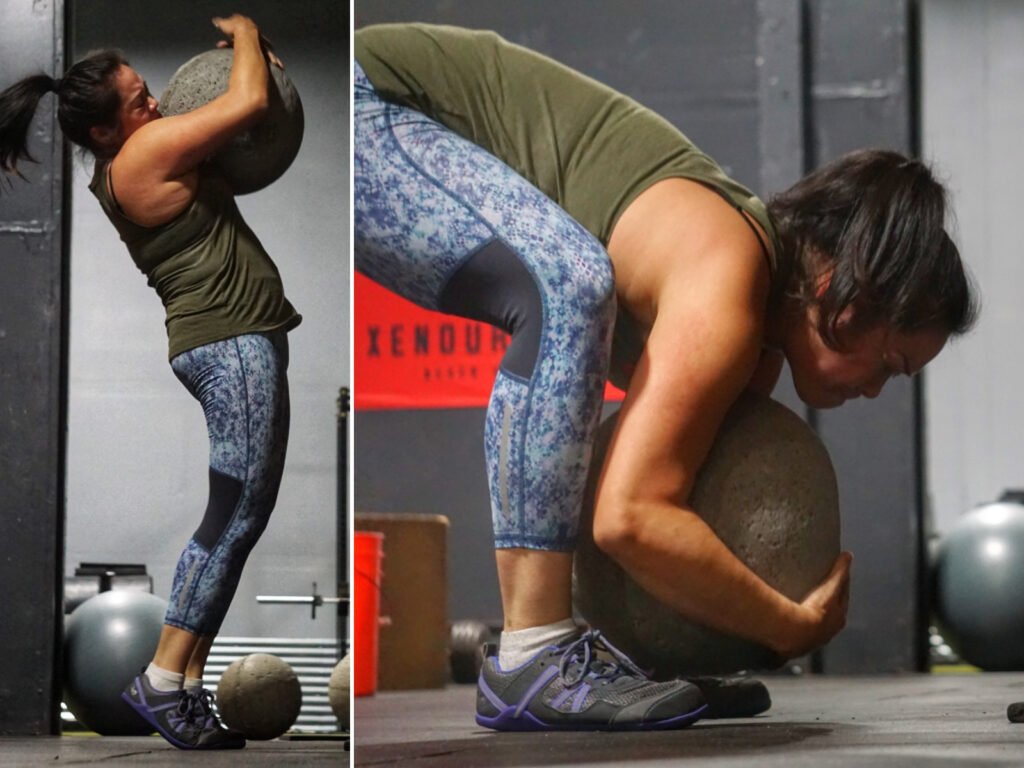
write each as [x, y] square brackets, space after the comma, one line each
[769, 492]
[259, 696]
[339, 688]
[259, 156]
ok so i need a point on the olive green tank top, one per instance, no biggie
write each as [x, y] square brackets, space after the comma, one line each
[209, 269]
[589, 148]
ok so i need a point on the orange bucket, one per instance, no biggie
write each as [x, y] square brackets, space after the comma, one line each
[367, 555]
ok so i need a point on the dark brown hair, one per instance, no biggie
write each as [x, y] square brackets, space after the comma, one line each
[86, 97]
[877, 220]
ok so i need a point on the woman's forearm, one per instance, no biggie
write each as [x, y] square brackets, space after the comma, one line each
[675, 556]
[249, 75]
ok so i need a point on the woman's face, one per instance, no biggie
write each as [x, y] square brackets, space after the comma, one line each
[138, 106]
[866, 360]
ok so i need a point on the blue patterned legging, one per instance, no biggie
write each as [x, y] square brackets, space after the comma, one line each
[242, 384]
[447, 225]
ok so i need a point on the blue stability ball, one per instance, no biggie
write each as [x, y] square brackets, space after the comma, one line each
[107, 640]
[979, 573]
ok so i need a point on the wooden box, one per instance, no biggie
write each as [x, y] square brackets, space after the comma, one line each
[414, 633]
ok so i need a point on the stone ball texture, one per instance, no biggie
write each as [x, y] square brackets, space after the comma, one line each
[258, 156]
[338, 691]
[259, 696]
[768, 490]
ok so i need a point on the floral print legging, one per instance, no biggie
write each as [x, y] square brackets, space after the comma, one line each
[242, 385]
[444, 223]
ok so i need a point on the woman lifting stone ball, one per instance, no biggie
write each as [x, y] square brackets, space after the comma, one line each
[494, 183]
[227, 320]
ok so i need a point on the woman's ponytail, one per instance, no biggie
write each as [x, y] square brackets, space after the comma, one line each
[18, 106]
[87, 96]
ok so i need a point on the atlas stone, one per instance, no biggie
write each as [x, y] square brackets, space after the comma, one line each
[768, 490]
[339, 689]
[259, 696]
[260, 155]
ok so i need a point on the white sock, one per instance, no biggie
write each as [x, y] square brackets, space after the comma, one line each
[518, 647]
[193, 684]
[164, 680]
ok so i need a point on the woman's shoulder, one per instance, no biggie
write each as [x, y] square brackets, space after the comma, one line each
[683, 234]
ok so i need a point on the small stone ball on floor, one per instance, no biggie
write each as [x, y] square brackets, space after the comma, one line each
[768, 490]
[338, 690]
[107, 640]
[258, 156]
[259, 696]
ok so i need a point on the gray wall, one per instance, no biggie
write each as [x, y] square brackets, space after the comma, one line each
[769, 88]
[861, 94]
[972, 113]
[32, 335]
[137, 445]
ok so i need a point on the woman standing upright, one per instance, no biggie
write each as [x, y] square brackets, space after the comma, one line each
[227, 321]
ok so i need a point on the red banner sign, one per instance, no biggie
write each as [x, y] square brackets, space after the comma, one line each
[408, 357]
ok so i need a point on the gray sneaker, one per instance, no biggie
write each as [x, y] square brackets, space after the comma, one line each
[180, 717]
[568, 687]
[212, 734]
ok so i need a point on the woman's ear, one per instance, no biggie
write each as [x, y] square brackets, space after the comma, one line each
[103, 135]
[857, 319]
[821, 283]
[846, 321]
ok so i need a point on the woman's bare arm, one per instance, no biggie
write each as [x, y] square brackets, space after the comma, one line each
[153, 173]
[703, 349]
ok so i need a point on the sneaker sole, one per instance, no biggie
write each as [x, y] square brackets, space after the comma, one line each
[506, 720]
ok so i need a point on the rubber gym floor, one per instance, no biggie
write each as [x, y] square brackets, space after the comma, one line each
[154, 752]
[910, 721]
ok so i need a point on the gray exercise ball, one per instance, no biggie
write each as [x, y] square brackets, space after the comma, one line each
[768, 490]
[978, 581]
[108, 639]
[259, 156]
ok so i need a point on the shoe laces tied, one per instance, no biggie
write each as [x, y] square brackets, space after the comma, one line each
[204, 700]
[193, 705]
[580, 658]
[186, 705]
